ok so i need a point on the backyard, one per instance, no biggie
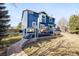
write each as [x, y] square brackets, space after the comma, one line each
[68, 44]
[65, 45]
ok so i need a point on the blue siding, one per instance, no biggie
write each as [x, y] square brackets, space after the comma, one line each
[43, 22]
[32, 17]
[52, 21]
[48, 21]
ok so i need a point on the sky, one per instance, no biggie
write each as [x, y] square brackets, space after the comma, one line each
[56, 10]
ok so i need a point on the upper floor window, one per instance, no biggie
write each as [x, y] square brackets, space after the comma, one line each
[44, 18]
[51, 20]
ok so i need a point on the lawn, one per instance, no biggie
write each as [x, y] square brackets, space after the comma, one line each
[7, 42]
[10, 40]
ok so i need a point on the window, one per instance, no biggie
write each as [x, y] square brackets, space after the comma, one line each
[30, 30]
[42, 26]
[50, 27]
[34, 24]
[50, 20]
[44, 18]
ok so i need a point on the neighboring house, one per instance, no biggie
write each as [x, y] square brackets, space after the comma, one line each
[39, 22]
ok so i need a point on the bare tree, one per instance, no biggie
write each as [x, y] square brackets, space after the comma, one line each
[62, 23]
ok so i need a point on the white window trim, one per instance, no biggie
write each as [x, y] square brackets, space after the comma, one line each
[33, 24]
[44, 16]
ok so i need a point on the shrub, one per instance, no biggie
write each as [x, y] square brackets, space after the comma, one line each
[74, 24]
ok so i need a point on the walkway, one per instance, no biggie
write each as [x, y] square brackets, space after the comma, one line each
[16, 49]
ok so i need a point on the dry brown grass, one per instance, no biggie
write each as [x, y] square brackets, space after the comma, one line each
[68, 45]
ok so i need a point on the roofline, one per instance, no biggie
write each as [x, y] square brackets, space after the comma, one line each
[28, 10]
[35, 12]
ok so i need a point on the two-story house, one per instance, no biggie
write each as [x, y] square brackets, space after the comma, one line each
[36, 22]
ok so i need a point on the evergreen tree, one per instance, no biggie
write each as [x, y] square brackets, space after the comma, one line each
[4, 19]
[74, 24]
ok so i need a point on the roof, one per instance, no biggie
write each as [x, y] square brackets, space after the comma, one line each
[29, 10]
[37, 13]
[43, 13]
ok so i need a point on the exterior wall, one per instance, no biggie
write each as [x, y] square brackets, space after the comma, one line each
[41, 21]
[24, 22]
[51, 21]
[48, 21]
[30, 17]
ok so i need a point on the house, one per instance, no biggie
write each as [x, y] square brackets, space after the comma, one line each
[36, 22]
[44, 21]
